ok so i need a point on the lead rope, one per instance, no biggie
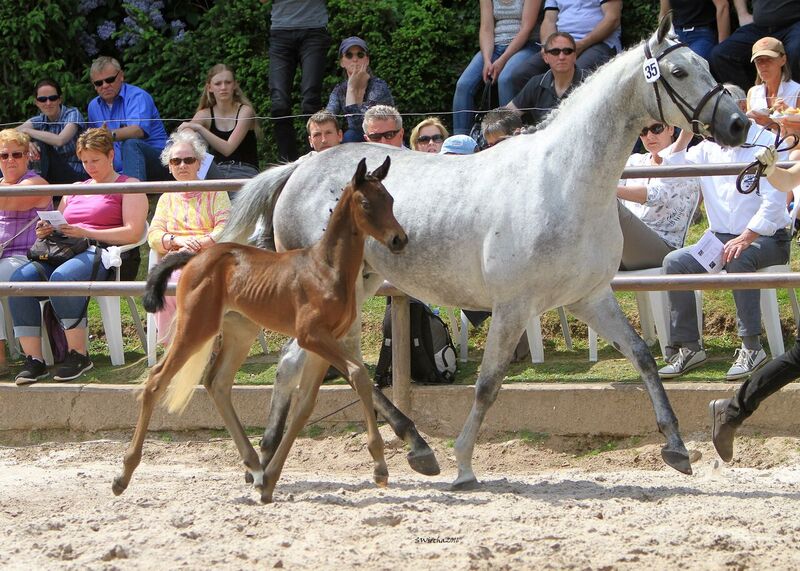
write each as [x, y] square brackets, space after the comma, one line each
[749, 179]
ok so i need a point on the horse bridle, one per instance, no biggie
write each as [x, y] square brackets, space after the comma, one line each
[691, 115]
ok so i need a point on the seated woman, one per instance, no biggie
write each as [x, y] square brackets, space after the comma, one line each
[17, 214]
[184, 221]
[774, 89]
[55, 131]
[360, 91]
[428, 135]
[654, 213]
[114, 219]
[226, 120]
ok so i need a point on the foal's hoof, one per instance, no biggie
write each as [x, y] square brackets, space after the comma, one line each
[381, 480]
[266, 497]
[424, 463]
[248, 478]
[465, 485]
[118, 486]
[678, 459]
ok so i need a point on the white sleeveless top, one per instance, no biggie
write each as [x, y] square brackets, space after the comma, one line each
[789, 91]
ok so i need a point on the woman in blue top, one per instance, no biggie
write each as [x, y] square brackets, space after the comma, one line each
[505, 42]
[360, 91]
[55, 131]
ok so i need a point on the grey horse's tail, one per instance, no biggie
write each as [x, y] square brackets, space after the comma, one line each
[256, 202]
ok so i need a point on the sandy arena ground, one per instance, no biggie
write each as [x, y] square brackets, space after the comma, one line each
[542, 505]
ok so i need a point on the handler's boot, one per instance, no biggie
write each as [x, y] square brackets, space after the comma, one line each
[723, 430]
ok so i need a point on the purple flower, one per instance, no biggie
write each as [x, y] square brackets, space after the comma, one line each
[106, 29]
[86, 6]
[88, 44]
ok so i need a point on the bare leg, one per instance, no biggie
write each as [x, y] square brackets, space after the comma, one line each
[602, 313]
[504, 333]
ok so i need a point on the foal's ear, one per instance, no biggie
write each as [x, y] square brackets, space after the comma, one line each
[663, 27]
[361, 172]
[381, 172]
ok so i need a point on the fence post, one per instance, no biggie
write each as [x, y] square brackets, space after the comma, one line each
[401, 353]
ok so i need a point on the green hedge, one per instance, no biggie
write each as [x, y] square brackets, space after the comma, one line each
[418, 46]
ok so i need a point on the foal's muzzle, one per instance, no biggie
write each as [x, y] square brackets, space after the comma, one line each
[397, 242]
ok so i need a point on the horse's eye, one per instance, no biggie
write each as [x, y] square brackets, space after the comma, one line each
[365, 205]
[679, 72]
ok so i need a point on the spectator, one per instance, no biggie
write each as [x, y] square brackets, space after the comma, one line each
[360, 91]
[131, 115]
[17, 214]
[323, 131]
[428, 135]
[226, 120]
[700, 24]
[776, 18]
[505, 44]
[55, 131]
[594, 25]
[185, 221]
[298, 34]
[459, 145]
[383, 124]
[544, 92]
[105, 218]
[739, 221]
[654, 213]
[774, 89]
[500, 124]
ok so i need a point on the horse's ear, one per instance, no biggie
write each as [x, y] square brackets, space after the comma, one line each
[381, 172]
[361, 171]
[663, 27]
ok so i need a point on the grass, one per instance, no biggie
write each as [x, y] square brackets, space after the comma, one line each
[561, 365]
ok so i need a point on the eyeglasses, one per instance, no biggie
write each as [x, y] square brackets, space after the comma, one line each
[425, 139]
[175, 161]
[656, 129]
[44, 98]
[378, 137]
[109, 80]
[359, 55]
[14, 155]
[558, 51]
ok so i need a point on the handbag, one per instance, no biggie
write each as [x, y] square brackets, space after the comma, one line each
[56, 249]
[485, 105]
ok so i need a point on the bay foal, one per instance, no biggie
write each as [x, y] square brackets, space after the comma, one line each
[308, 294]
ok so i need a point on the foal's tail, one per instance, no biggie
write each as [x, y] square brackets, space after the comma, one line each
[153, 298]
[256, 201]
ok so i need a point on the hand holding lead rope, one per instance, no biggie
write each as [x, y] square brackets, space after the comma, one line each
[764, 165]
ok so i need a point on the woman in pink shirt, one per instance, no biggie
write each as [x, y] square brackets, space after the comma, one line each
[106, 219]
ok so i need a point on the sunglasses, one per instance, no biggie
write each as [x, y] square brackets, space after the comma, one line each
[425, 139]
[378, 137]
[359, 55]
[656, 129]
[558, 51]
[14, 155]
[109, 80]
[44, 98]
[175, 161]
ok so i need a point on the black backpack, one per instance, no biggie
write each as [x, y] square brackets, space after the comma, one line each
[433, 355]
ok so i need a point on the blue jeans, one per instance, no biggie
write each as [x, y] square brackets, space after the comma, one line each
[472, 79]
[26, 311]
[142, 161]
[701, 40]
[287, 48]
[730, 60]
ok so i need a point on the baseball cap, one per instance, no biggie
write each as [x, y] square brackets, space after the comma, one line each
[458, 145]
[348, 43]
[770, 47]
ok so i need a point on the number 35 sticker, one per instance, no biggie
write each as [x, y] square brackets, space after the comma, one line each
[651, 70]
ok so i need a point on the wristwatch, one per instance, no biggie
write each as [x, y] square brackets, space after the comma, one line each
[113, 135]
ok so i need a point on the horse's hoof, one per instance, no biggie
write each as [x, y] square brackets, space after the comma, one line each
[424, 463]
[465, 485]
[118, 486]
[678, 459]
[382, 480]
[248, 478]
[266, 497]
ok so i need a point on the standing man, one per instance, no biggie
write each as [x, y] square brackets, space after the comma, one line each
[544, 92]
[298, 34]
[323, 131]
[383, 124]
[132, 117]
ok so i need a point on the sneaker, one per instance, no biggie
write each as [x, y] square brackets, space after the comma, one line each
[746, 362]
[73, 366]
[32, 371]
[681, 362]
[722, 432]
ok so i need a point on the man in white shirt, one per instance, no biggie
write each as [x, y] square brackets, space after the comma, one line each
[753, 229]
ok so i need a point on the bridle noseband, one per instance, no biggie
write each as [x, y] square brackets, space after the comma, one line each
[691, 114]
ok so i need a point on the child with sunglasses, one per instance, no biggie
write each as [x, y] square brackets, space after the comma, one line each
[55, 131]
[360, 91]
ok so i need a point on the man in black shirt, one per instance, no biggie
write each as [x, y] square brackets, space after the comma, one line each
[544, 92]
